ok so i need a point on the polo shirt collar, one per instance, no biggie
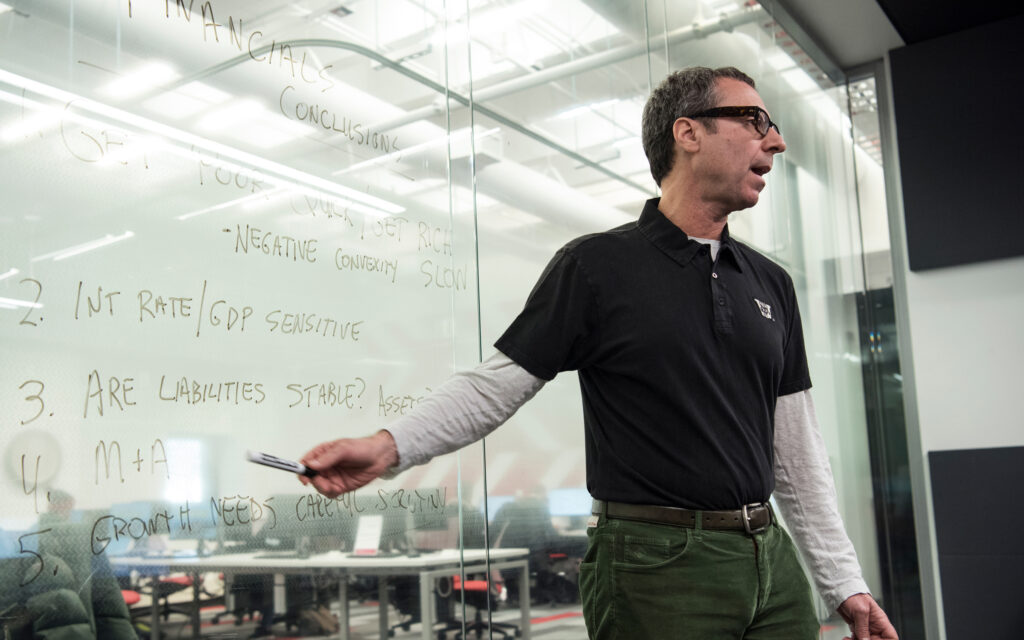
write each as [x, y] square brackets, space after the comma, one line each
[674, 242]
[732, 249]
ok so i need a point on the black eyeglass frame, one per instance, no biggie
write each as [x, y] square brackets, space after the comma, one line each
[762, 121]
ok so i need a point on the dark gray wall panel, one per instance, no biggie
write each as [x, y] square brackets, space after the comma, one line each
[959, 107]
[979, 520]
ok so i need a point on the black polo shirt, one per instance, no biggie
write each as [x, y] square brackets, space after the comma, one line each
[680, 360]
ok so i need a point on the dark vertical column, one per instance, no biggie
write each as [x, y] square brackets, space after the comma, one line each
[890, 468]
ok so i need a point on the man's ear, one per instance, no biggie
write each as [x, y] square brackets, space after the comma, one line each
[687, 134]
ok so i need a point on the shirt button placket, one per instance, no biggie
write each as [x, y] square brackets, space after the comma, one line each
[723, 318]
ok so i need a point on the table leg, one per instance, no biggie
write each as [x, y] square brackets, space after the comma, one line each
[524, 600]
[382, 606]
[279, 588]
[343, 606]
[229, 597]
[427, 605]
[155, 624]
[195, 604]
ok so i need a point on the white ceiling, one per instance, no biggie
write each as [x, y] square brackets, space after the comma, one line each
[851, 32]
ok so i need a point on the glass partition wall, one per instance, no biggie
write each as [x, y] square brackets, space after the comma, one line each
[233, 226]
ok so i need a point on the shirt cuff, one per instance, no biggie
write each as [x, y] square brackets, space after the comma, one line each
[405, 443]
[841, 592]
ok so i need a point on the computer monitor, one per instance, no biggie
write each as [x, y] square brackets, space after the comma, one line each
[192, 521]
[395, 534]
[125, 528]
[495, 503]
[431, 510]
[306, 520]
[571, 502]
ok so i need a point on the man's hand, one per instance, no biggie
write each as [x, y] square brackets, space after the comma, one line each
[347, 464]
[866, 619]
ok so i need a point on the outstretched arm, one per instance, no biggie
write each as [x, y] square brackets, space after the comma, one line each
[464, 409]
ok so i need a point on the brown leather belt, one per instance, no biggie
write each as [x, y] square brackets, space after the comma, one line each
[752, 518]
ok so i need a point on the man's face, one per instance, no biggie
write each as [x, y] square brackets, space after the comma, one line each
[732, 161]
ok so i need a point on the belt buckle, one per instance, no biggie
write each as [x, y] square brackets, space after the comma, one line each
[746, 518]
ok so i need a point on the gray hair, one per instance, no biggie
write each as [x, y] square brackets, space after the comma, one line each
[686, 91]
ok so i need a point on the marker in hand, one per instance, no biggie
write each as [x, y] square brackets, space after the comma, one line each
[280, 463]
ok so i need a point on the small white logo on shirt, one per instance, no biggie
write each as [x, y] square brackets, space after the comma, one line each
[766, 309]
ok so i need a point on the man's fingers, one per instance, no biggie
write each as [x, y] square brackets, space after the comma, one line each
[861, 625]
[884, 626]
[327, 486]
[866, 619]
[348, 463]
[325, 455]
[314, 455]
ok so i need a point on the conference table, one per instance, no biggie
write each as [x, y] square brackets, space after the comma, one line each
[429, 566]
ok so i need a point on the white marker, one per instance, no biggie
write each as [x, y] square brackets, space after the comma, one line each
[280, 463]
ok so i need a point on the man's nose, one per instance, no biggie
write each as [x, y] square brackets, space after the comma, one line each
[774, 142]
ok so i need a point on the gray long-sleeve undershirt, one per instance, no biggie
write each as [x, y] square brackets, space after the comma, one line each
[471, 404]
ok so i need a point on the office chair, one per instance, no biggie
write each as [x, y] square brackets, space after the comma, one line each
[526, 522]
[488, 592]
[483, 595]
[162, 587]
[250, 595]
[406, 599]
[405, 591]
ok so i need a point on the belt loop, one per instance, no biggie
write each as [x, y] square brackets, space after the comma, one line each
[698, 525]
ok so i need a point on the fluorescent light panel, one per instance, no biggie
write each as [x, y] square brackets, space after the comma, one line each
[722, 6]
[800, 80]
[13, 303]
[77, 249]
[44, 118]
[780, 60]
[239, 113]
[456, 137]
[175, 105]
[187, 100]
[301, 179]
[143, 79]
[494, 19]
[585, 108]
[228, 204]
[33, 124]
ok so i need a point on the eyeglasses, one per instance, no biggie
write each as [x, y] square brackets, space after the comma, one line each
[761, 120]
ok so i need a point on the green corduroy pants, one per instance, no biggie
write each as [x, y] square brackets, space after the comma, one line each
[643, 581]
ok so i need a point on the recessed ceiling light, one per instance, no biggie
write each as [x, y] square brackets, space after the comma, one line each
[149, 76]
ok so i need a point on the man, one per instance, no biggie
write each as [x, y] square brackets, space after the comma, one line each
[696, 399]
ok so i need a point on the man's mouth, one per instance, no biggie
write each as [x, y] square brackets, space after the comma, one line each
[761, 170]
